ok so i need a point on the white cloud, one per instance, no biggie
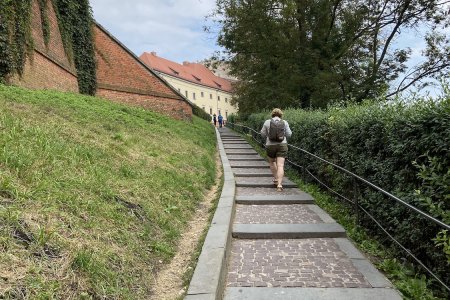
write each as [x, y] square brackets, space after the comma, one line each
[172, 28]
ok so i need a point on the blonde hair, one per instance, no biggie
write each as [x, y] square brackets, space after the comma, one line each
[276, 112]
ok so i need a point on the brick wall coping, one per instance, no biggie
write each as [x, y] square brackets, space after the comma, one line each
[55, 61]
[117, 88]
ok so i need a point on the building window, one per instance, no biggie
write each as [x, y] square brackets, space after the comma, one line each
[218, 98]
[226, 100]
[210, 111]
[193, 96]
[226, 114]
[186, 93]
[218, 111]
[201, 94]
[210, 96]
[204, 108]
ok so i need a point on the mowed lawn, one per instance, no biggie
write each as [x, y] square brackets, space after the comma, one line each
[93, 194]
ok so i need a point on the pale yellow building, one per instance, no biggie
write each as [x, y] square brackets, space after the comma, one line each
[195, 82]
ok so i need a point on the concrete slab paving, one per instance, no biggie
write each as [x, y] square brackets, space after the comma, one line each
[263, 191]
[238, 293]
[252, 172]
[240, 151]
[290, 199]
[237, 146]
[249, 164]
[287, 231]
[245, 157]
[261, 182]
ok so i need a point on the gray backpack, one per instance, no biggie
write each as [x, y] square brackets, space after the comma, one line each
[276, 130]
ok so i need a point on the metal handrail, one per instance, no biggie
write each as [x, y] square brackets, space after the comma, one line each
[364, 181]
[362, 208]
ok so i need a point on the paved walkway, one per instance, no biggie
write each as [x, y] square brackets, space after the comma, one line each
[284, 246]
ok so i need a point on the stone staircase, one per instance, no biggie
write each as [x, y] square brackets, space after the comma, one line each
[284, 246]
[263, 244]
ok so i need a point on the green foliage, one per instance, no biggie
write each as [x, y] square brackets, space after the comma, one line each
[43, 6]
[15, 36]
[401, 147]
[5, 54]
[197, 111]
[103, 187]
[303, 54]
[75, 23]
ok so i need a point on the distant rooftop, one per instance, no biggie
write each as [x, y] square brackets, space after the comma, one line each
[193, 72]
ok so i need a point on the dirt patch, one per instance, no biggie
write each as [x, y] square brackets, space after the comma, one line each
[169, 281]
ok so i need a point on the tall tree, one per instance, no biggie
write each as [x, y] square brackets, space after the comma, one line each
[308, 53]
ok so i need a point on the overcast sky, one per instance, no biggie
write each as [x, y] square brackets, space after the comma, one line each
[171, 28]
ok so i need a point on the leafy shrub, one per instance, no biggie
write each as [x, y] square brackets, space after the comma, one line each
[197, 111]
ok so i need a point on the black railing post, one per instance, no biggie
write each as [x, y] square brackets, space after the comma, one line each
[356, 199]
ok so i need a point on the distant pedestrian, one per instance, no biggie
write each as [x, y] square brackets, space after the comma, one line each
[276, 131]
[220, 118]
[215, 120]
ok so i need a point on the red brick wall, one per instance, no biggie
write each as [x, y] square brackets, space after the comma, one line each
[121, 77]
[49, 67]
[171, 107]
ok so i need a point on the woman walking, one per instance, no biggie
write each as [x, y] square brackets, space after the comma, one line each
[276, 131]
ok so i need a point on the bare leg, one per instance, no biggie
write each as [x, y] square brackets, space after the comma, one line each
[280, 170]
[273, 167]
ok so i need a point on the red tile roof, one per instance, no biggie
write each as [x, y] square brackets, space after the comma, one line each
[193, 72]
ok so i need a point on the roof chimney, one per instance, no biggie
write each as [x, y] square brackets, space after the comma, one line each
[186, 63]
[153, 53]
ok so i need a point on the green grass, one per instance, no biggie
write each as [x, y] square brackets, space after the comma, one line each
[93, 194]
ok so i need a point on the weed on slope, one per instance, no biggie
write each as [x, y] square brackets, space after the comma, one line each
[93, 194]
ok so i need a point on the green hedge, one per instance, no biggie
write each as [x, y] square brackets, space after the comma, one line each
[197, 111]
[402, 148]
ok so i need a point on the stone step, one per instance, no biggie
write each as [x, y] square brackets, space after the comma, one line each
[301, 198]
[225, 142]
[252, 172]
[261, 182]
[305, 293]
[240, 152]
[249, 164]
[245, 157]
[288, 231]
[237, 147]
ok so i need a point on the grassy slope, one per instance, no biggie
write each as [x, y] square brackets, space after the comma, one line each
[93, 195]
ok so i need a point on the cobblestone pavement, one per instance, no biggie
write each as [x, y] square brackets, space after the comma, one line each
[275, 214]
[291, 263]
[250, 191]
